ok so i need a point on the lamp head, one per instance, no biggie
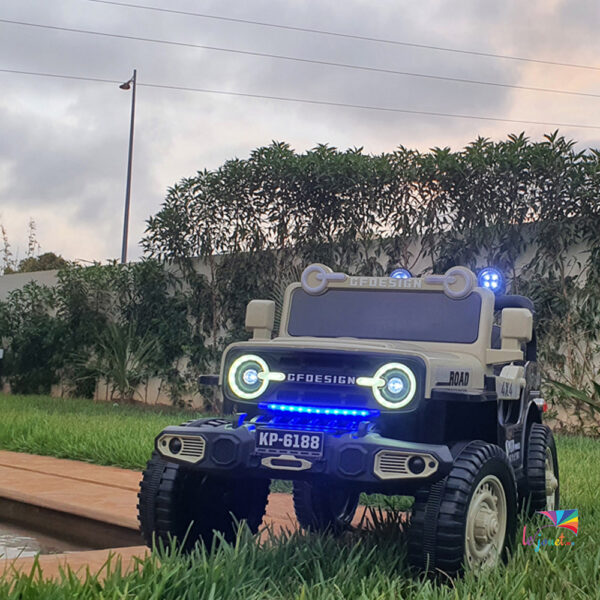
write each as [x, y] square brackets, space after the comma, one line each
[401, 274]
[491, 279]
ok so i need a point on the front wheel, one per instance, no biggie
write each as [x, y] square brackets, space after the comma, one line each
[322, 507]
[175, 502]
[467, 520]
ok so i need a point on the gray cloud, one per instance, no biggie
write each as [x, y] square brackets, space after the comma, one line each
[63, 144]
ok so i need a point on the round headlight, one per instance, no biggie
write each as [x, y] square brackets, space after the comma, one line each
[396, 385]
[248, 376]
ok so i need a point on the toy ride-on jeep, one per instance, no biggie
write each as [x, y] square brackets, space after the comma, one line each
[394, 385]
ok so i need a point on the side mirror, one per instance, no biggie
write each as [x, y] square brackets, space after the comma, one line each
[260, 318]
[517, 327]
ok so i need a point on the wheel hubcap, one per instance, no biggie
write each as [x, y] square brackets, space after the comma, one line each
[551, 481]
[486, 523]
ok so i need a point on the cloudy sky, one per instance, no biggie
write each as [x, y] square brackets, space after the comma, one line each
[63, 142]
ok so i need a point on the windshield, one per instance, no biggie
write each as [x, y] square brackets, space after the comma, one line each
[419, 316]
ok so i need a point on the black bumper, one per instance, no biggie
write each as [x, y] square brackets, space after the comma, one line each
[371, 461]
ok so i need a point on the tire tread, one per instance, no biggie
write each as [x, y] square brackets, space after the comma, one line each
[439, 544]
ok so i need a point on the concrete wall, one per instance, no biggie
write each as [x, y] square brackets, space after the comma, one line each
[8, 283]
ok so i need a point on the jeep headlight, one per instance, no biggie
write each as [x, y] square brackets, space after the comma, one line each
[249, 375]
[394, 385]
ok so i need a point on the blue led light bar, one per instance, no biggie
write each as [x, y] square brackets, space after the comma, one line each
[330, 411]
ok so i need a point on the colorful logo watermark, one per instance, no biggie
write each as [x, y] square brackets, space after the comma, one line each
[566, 519]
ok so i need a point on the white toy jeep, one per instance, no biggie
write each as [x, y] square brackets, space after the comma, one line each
[395, 385]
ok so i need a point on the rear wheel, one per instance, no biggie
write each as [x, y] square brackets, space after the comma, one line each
[324, 507]
[541, 490]
[468, 519]
[190, 506]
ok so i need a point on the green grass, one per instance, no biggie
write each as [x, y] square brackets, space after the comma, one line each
[365, 565]
[361, 565]
[98, 432]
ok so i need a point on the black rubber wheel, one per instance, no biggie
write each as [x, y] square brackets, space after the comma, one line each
[469, 518]
[322, 507]
[172, 497]
[541, 489]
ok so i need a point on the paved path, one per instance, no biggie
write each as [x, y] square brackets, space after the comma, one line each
[106, 494]
[103, 493]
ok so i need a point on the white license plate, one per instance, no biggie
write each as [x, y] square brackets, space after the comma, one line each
[293, 442]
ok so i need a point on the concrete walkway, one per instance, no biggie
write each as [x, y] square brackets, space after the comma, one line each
[105, 495]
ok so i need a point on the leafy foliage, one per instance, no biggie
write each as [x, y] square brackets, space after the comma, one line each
[44, 262]
[31, 336]
[528, 208]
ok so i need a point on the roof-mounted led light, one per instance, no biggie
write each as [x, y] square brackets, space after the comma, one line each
[401, 274]
[491, 279]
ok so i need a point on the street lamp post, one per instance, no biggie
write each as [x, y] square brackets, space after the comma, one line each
[125, 86]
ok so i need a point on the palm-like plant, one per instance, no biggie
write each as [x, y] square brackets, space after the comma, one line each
[123, 359]
[590, 399]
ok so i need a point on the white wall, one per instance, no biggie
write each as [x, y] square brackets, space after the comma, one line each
[8, 283]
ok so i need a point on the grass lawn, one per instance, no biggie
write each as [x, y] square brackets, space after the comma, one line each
[97, 432]
[359, 565]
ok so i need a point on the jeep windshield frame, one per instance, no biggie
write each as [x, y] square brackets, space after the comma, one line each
[408, 315]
